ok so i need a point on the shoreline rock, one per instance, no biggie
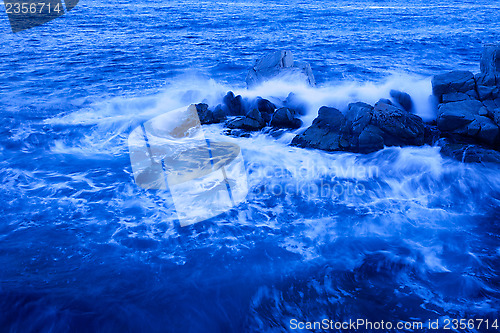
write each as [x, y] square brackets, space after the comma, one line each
[363, 129]
[469, 105]
[467, 126]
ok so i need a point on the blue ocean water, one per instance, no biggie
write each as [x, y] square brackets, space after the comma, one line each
[83, 248]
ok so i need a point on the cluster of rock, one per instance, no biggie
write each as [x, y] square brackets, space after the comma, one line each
[242, 115]
[364, 128]
[469, 105]
[468, 111]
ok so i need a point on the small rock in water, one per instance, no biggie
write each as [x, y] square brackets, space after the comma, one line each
[210, 117]
[279, 64]
[265, 107]
[403, 99]
[233, 104]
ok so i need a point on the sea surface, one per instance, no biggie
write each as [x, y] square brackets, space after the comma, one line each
[408, 236]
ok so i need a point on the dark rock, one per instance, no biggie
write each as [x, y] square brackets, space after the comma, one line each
[490, 60]
[452, 82]
[385, 101]
[455, 115]
[278, 64]
[204, 114]
[284, 118]
[364, 129]
[233, 104]
[492, 105]
[359, 116]
[257, 116]
[370, 140]
[488, 80]
[244, 123]
[239, 133]
[487, 92]
[399, 127]
[325, 133]
[469, 119]
[210, 117]
[266, 108]
[403, 99]
[219, 115]
[431, 134]
[488, 131]
[252, 122]
[455, 97]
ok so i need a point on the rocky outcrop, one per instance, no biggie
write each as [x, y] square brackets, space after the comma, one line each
[279, 64]
[261, 113]
[467, 126]
[327, 132]
[456, 83]
[363, 129]
[469, 105]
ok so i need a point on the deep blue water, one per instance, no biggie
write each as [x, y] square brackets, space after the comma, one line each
[83, 248]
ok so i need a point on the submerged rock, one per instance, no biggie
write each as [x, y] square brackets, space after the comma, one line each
[279, 64]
